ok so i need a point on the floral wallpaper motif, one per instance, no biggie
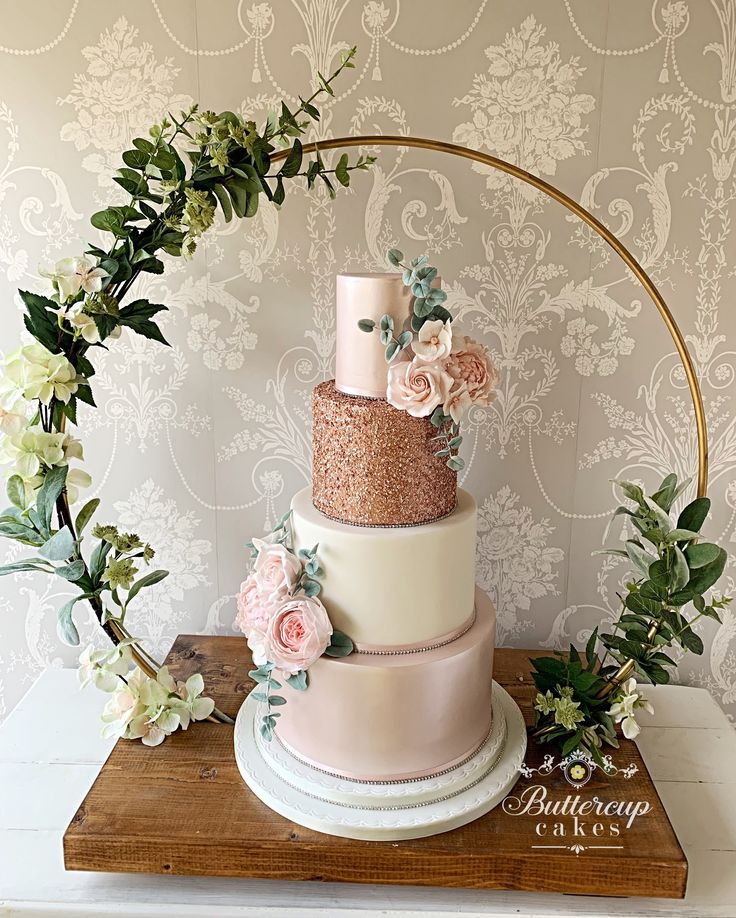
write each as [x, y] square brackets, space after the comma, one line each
[629, 107]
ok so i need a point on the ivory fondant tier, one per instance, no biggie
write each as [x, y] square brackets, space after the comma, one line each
[374, 465]
[389, 588]
[393, 718]
[361, 367]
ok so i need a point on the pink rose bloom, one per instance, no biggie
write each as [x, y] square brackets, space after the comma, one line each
[457, 402]
[276, 571]
[470, 363]
[417, 387]
[298, 634]
[255, 611]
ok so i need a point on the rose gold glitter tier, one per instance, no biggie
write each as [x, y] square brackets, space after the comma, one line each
[395, 718]
[374, 465]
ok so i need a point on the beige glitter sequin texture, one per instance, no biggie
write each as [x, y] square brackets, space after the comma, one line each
[374, 465]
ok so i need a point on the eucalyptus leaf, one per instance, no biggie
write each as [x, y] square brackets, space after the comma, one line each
[392, 350]
[340, 645]
[703, 578]
[366, 325]
[299, 681]
[701, 554]
[680, 570]
[693, 516]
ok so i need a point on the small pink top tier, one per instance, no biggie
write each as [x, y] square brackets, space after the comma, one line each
[361, 365]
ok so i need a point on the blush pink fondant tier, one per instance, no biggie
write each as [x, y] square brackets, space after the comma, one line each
[360, 363]
[374, 465]
[392, 718]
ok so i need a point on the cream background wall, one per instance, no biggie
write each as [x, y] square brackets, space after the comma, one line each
[628, 106]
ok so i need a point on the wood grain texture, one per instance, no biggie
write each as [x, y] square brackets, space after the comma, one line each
[182, 808]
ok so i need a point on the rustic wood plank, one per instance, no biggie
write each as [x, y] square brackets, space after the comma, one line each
[182, 808]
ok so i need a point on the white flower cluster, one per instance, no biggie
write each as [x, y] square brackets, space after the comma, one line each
[142, 707]
[626, 701]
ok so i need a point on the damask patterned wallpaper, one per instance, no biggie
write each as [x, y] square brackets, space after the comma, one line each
[628, 106]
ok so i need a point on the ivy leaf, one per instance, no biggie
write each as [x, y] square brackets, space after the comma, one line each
[340, 645]
[693, 516]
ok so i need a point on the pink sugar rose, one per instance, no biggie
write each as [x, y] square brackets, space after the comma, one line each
[417, 387]
[276, 571]
[255, 611]
[298, 634]
[470, 363]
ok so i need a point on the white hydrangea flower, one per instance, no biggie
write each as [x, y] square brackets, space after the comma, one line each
[103, 668]
[33, 451]
[35, 373]
[70, 275]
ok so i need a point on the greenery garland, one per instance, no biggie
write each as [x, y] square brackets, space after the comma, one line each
[176, 180]
[581, 700]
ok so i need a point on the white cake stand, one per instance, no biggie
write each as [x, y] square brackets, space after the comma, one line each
[382, 811]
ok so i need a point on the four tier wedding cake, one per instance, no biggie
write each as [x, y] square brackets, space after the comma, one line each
[362, 610]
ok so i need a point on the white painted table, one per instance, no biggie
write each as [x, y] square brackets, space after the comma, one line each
[50, 753]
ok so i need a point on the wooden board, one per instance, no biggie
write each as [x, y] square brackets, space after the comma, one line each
[182, 808]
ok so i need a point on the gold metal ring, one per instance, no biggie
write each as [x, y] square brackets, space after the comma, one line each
[441, 146]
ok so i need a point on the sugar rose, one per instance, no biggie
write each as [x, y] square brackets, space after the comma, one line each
[276, 571]
[417, 387]
[298, 634]
[470, 363]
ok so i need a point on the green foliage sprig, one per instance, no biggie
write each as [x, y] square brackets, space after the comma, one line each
[175, 179]
[580, 700]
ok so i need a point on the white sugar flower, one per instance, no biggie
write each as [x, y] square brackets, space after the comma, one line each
[627, 701]
[70, 275]
[434, 341]
[35, 373]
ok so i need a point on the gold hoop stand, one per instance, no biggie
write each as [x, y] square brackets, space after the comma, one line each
[441, 146]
